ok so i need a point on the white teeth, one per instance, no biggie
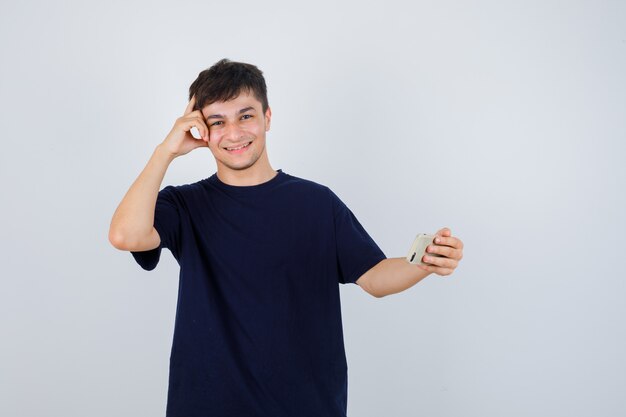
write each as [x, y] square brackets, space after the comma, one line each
[242, 146]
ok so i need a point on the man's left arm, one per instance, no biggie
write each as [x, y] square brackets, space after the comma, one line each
[394, 275]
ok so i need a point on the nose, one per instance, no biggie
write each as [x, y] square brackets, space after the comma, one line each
[233, 133]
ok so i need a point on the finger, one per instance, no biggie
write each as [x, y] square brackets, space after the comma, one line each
[197, 122]
[202, 143]
[440, 261]
[435, 269]
[448, 241]
[198, 114]
[446, 251]
[444, 232]
[189, 108]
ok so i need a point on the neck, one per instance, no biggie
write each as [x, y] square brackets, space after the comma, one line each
[256, 174]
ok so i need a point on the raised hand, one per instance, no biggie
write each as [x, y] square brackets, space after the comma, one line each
[180, 141]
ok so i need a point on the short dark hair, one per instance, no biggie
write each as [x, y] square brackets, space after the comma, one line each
[225, 80]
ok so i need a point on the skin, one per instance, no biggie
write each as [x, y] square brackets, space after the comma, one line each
[446, 245]
[251, 167]
[394, 275]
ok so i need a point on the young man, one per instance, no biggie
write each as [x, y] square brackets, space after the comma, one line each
[258, 328]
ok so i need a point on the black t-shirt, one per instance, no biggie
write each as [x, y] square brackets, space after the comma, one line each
[258, 328]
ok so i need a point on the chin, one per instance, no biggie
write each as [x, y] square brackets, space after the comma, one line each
[241, 166]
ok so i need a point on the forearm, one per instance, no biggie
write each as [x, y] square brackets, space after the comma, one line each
[393, 275]
[134, 217]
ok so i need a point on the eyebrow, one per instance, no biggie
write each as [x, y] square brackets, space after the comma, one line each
[219, 116]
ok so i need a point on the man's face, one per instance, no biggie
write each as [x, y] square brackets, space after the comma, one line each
[235, 123]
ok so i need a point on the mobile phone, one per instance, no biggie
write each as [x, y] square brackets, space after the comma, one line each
[418, 248]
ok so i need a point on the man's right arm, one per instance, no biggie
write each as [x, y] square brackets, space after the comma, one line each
[132, 225]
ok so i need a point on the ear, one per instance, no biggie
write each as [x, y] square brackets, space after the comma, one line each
[268, 118]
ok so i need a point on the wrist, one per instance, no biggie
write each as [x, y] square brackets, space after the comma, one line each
[164, 154]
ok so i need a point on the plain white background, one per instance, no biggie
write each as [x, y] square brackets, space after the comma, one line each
[503, 120]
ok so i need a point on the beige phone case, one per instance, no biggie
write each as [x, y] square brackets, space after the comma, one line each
[416, 253]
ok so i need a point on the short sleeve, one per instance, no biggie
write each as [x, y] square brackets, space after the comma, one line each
[167, 214]
[356, 250]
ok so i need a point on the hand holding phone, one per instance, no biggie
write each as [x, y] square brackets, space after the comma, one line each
[418, 248]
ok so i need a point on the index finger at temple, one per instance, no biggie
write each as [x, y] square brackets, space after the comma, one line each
[192, 103]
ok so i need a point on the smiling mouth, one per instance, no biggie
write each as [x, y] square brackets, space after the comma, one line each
[238, 148]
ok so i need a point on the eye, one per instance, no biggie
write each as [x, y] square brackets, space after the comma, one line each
[249, 115]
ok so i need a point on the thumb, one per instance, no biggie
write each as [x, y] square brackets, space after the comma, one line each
[201, 143]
